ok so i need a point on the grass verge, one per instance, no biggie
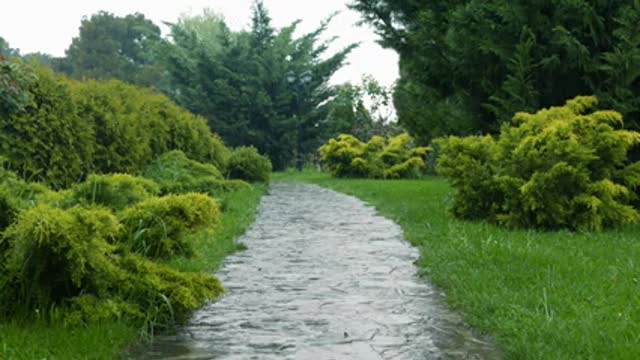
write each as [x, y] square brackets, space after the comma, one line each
[107, 340]
[541, 295]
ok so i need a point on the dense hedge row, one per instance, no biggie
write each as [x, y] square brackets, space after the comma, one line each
[563, 167]
[396, 158]
[69, 129]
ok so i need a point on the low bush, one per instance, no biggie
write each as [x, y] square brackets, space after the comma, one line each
[16, 195]
[563, 167]
[157, 227]
[54, 255]
[347, 156]
[245, 163]
[66, 260]
[115, 191]
[146, 293]
[177, 174]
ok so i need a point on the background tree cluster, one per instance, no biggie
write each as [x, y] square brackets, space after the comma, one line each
[239, 81]
[468, 66]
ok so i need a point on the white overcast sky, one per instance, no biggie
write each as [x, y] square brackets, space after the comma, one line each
[48, 26]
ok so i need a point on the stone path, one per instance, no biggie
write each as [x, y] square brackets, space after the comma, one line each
[324, 277]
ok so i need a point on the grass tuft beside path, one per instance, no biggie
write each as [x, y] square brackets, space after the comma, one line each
[541, 295]
[106, 341]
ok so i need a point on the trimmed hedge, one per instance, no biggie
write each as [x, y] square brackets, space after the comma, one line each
[563, 167]
[397, 158]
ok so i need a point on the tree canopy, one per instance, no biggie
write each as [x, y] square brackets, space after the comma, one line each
[112, 47]
[240, 81]
[468, 66]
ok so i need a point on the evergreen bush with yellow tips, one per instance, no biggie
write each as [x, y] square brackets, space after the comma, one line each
[562, 167]
[396, 158]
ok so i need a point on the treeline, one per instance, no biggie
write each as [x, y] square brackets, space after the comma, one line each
[264, 86]
[469, 66]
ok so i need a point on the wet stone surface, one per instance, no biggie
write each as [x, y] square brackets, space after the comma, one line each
[324, 277]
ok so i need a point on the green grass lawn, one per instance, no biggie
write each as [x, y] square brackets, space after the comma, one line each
[541, 295]
[106, 341]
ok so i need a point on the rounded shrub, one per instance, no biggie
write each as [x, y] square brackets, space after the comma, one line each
[115, 191]
[397, 158]
[246, 163]
[67, 260]
[55, 254]
[563, 167]
[158, 227]
[134, 125]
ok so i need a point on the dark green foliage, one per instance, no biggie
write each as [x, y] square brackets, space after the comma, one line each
[563, 167]
[113, 47]
[362, 110]
[239, 81]
[115, 191]
[8, 210]
[247, 164]
[177, 174]
[6, 50]
[397, 158]
[468, 66]
[47, 141]
[157, 227]
[15, 78]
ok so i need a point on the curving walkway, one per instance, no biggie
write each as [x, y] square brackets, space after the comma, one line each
[324, 277]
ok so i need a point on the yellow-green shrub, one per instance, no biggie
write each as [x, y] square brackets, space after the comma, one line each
[347, 156]
[115, 191]
[16, 195]
[145, 292]
[245, 163]
[47, 141]
[563, 167]
[55, 254]
[128, 129]
[133, 125]
[157, 227]
[67, 260]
